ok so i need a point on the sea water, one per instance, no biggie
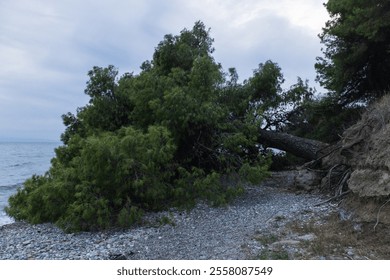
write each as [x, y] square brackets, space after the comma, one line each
[18, 162]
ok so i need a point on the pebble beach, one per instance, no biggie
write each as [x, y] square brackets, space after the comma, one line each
[202, 233]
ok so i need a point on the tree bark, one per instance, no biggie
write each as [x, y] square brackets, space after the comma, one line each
[298, 146]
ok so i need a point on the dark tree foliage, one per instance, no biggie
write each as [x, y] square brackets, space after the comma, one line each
[181, 51]
[356, 62]
[149, 141]
[183, 130]
[179, 131]
[322, 119]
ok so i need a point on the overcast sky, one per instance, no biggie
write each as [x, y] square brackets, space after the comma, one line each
[47, 47]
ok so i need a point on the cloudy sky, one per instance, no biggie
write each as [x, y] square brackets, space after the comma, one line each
[47, 47]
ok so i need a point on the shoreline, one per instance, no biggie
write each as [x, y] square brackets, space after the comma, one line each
[201, 233]
[269, 222]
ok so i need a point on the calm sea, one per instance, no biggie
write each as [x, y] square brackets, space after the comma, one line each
[18, 162]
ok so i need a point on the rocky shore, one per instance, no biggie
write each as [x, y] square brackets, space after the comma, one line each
[205, 232]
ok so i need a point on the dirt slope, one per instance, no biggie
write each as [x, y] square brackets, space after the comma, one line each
[365, 150]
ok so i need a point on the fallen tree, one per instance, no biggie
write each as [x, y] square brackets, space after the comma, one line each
[298, 146]
[358, 165]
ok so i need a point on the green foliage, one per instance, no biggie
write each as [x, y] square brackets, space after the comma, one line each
[262, 95]
[183, 130]
[322, 119]
[108, 108]
[355, 67]
[254, 174]
[112, 178]
[181, 51]
[266, 84]
[179, 131]
[37, 201]
[356, 63]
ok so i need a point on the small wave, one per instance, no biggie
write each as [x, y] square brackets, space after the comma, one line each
[11, 187]
[5, 219]
[21, 164]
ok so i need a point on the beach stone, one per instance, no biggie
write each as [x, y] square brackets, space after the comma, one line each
[285, 242]
[307, 237]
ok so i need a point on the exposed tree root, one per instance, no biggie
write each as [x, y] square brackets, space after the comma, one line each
[339, 188]
[379, 211]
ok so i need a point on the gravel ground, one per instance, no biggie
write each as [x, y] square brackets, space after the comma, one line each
[202, 233]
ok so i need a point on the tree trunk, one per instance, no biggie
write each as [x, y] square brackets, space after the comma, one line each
[298, 146]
